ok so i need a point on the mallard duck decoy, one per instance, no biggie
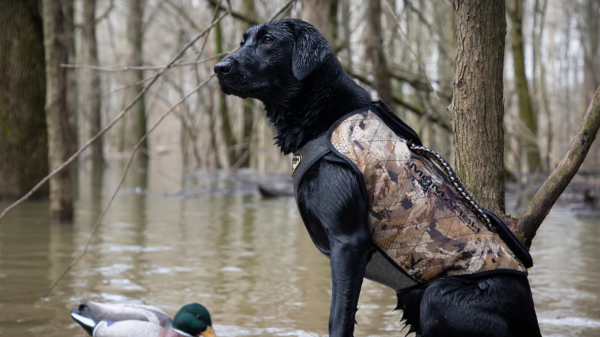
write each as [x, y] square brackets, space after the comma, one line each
[135, 320]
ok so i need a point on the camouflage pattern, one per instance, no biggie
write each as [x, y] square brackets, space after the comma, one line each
[415, 215]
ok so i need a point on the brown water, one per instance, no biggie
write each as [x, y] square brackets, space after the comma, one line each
[249, 260]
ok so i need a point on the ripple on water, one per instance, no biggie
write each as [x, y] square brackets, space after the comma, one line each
[138, 249]
[579, 322]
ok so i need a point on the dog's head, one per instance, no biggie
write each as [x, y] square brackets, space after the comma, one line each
[274, 58]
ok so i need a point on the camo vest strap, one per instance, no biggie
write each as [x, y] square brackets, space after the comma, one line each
[419, 216]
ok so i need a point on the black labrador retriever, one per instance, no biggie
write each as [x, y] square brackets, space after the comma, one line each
[289, 66]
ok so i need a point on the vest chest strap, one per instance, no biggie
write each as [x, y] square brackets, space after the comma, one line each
[306, 156]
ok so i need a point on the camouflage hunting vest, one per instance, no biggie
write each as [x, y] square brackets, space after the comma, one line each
[423, 222]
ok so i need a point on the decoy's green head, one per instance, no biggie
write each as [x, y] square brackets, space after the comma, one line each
[193, 320]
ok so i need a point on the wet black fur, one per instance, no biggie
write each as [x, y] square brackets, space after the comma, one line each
[305, 91]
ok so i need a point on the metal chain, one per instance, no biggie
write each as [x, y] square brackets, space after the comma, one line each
[455, 181]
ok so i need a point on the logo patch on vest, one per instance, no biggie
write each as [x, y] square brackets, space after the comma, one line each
[295, 162]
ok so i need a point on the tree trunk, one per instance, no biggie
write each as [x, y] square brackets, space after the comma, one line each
[91, 79]
[224, 113]
[72, 87]
[375, 56]
[318, 14]
[526, 113]
[60, 133]
[135, 123]
[447, 45]
[23, 134]
[248, 8]
[591, 46]
[346, 16]
[477, 101]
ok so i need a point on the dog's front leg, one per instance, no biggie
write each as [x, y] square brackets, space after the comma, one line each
[331, 199]
[348, 263]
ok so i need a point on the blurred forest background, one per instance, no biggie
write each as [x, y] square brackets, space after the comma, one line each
[70, 67]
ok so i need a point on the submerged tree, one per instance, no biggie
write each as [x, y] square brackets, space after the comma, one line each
[91, 79]
[248, 6]
[226, 127]
[23, 135]
[526, 113]
[72, 85]
[135, 122]
[60, 134]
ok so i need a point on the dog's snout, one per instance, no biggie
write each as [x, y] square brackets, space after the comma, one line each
[223, 67]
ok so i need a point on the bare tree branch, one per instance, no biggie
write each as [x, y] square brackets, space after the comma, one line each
[410, 48]
[281, 10]
[126, 68]
[407, 105]
[104, 15]
[238, 15]
[416, 81]
[431, 30]
[553, 187]
[183, 13]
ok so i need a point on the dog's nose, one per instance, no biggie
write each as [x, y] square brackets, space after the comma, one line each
[223, 67]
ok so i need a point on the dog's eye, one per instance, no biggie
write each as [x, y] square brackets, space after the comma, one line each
[268, 40]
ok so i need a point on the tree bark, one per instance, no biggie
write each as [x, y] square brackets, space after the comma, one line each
[23, 134]
[60, 133]
[526, 113]
[91, 79]
[477, 101]
[375, 56]
[135, 122]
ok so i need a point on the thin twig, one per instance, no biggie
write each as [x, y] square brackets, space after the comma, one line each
[127, 86]
[431, 30]
[182, 13]
[410, 48]
[106, 12]
[110, 125]
[238, 15]
[281, 10]
[126, 68]
[114, 195]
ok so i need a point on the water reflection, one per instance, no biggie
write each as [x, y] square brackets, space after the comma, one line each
[248, 259]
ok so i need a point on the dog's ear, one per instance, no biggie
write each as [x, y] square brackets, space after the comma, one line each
[310, 51]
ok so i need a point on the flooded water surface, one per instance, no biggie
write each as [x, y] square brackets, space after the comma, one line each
[172, 238]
